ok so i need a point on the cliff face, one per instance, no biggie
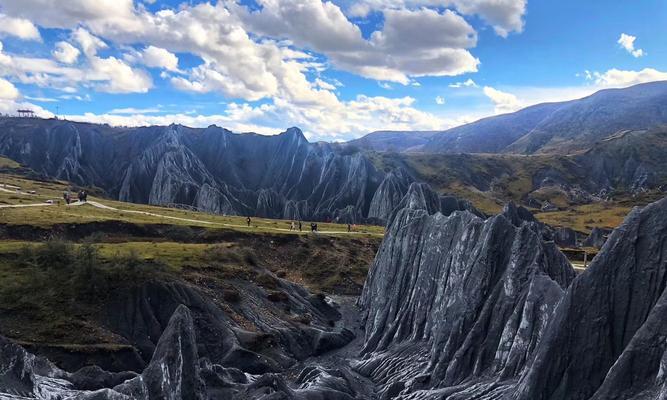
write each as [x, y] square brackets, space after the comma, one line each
[606, 339]
[458, 307]
[451, 301]
[215, 170]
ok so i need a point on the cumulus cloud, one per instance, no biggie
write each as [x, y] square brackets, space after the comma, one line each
[110, 74]
[249, 55]
[420, 42]
[19, 27]
[156, 57]
[505, 16]
[503, 102]
[466, 83]
[439, 100]
[324, 85]
[7, 90]
[65, 53]
[628, 43]
[132, 110]
[622, 78]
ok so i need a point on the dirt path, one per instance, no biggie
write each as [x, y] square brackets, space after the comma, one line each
[196, 221]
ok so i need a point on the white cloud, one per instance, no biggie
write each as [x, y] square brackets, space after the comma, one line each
[506, 16]
[89, 43]
[420, 42]
[345, 120]
[41, 99]
[439, 100]
[324, 85]
[628, 43]
[156, 57]
[65, 53]
[503, 102]
[623, 78]
[132, 110]
[467, 83]
[68, 14]
[7, 90]
[19, 27]
[114, 76]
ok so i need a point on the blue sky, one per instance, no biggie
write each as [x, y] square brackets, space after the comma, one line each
[336, 69]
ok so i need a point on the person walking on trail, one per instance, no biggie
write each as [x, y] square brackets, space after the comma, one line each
[349, 228]
[66, 196]
[313, 227]
[248, 220]
[299, 225]
[292, 226]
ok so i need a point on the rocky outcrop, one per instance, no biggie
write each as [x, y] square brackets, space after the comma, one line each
[389, 194]
[606, 339]
[453, 300]
[565, 237]
[463, 308]
[597, 237]
[212, 169]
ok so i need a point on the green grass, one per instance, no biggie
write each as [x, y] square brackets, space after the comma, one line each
[47, 216]
[8, 163]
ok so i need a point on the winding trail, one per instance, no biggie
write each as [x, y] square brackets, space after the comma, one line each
[151, 214]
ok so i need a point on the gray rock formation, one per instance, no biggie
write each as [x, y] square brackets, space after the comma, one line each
[597, 237]
[462, 308]
[565, 237]
[451, 301]
[389, 194]
[212, 169]
[606, 338]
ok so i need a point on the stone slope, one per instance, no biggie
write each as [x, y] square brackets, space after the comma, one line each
[459, 307]
[453, 300]
[606, 340]
[215, 170]
[561, 128]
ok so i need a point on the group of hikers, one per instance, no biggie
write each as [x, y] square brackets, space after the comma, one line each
[294, 225]
[82, 195]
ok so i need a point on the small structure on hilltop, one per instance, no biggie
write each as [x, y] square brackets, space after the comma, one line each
[26, 113]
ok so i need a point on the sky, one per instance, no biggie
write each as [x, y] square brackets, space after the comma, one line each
[337, 69]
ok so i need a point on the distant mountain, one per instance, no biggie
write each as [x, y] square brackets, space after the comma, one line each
[550, 128]
[397, 141]
[211, 169]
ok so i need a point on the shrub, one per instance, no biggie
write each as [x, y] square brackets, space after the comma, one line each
[180, 233]
[55, 255]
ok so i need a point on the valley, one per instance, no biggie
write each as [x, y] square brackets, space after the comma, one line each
[431, 275]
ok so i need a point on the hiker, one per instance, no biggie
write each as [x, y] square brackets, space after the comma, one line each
[292, 226]
[299, 225]
[80, 196]
[349, 228]
[66, 196]
[85, 196]
[248, 220]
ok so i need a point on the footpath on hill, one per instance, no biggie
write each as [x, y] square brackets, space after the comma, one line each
[147, 213]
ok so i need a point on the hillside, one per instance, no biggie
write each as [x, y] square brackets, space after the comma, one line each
[550, 128]
[66, 270]
[631, 164]
[212, 169]
[396, 141]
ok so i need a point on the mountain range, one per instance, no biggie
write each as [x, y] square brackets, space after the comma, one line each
[607, 144]
[549, 128]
